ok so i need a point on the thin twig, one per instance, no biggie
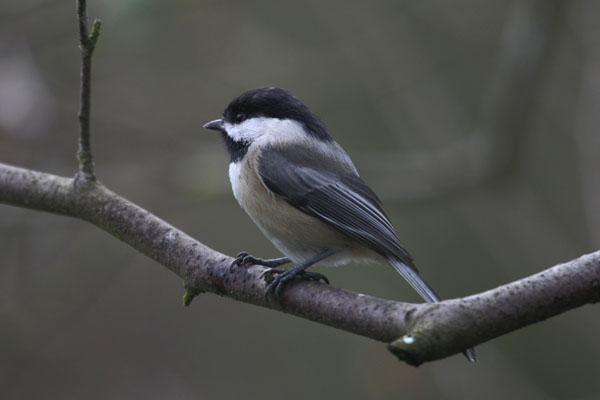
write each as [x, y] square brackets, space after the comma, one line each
[87, 44]
[416, 332]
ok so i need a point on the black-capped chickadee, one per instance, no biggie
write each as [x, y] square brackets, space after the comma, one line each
[302, 190]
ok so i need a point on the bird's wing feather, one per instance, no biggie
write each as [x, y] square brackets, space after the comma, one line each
[334, 194]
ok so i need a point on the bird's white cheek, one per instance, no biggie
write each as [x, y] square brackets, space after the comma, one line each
[279, 130]
[247, 131]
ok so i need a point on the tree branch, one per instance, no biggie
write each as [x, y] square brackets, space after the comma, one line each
[416, 332]
[87, 44]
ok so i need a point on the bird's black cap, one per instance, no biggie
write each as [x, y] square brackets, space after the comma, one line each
[275, 102]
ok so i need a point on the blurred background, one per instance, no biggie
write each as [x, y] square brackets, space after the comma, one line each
[475, 121]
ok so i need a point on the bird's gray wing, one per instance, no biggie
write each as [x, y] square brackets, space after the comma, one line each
[335, 194]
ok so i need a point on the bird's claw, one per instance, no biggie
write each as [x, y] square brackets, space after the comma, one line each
[243, 259]
[314, 276]
[276, 283]
[239, 260]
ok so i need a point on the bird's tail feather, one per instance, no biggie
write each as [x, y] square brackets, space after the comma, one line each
[415, 280]
[426, 292]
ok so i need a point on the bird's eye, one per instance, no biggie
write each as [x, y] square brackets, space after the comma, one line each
[240, 117]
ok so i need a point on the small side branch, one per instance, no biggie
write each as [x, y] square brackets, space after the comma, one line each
[416, 333]
[87, 44]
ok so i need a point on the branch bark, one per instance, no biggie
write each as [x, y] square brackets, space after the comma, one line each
[416, 333]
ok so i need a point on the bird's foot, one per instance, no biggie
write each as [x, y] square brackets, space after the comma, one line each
[248, 259]
[244, 259]
[276, 283]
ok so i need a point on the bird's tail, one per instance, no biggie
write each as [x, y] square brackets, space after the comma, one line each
[415, 280]
[425, 291]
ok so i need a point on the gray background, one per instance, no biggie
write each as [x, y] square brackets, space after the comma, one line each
[475, 121]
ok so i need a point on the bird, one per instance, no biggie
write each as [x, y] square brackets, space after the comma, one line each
[304, 193]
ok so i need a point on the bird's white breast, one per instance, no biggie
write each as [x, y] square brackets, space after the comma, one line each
[235, 179]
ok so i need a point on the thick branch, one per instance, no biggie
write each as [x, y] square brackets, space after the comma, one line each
[417, 332]
[87, 44]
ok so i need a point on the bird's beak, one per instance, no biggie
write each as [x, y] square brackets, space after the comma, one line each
[216, 125]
